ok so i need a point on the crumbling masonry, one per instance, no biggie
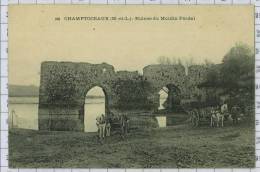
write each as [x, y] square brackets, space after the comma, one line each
[64, 85]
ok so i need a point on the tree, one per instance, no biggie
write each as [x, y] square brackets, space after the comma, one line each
[212, 77]
[164, 60]
[237, 71]
[234, 76]
[169, 61]
[208, 62]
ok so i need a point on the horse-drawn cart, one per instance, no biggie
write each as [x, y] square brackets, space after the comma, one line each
[200, 116]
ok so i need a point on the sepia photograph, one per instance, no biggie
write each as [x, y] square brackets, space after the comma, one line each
[103, 86]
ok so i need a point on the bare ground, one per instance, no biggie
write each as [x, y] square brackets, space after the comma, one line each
[178, 146]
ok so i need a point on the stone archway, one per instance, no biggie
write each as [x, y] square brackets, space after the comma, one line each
[64, 85]
[95, 105]
[172, 100]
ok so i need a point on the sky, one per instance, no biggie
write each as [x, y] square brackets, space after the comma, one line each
[34, 36]
[96, 91]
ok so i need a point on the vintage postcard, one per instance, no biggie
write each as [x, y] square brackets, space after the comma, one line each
[98, 86]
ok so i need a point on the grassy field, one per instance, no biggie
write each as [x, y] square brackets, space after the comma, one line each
[178, 146]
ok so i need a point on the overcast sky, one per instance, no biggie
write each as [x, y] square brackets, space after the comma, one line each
[34, 36]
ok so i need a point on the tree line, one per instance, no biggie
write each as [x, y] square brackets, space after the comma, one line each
[235, 75]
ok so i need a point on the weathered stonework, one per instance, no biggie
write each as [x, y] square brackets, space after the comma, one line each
[64, 86]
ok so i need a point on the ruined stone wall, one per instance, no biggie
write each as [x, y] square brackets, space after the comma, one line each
[163, 75]
[196, 75]
[187, 85]
[64, 86]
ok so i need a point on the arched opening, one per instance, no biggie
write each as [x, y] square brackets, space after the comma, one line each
[95, 105]
[169, 108]
[169, 98]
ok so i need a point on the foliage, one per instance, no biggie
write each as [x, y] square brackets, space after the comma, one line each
[61, 86]
[164, 60]
[212, 78]
[169, 61]
[133, 94]
[235, 75]
[237, 71]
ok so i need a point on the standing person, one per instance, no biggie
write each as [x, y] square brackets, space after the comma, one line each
[224, 108]
[234, 114]
[108, 126]
[97, 123]
[123, 124]
[102, 125]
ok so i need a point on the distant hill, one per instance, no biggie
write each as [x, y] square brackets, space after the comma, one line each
[23, 91]
[31, 91]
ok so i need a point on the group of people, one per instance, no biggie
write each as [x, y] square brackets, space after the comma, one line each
[216, 114]
[225, 114]
[104, 123]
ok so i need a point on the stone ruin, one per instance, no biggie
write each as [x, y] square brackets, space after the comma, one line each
[64, 86]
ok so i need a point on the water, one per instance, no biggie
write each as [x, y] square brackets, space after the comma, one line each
[93, 108]
[23, 112]
[161, 121]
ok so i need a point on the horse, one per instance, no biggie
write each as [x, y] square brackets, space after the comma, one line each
[101, 124]
[216, 118]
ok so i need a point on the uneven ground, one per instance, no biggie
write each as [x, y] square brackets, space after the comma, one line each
[178, 146]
